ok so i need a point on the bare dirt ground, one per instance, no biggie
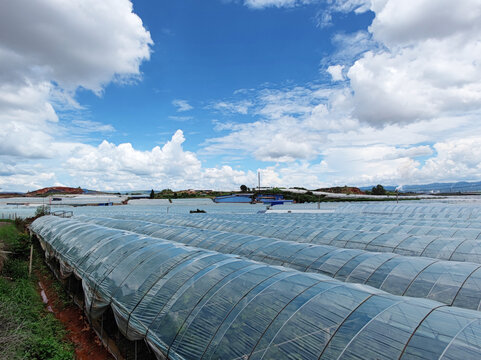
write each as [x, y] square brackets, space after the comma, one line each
[86, 342]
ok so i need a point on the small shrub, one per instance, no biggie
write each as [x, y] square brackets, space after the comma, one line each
[21, 224]
[47, 347]
[42, 210]
[16, 269]
[21, 247]
[8, 235]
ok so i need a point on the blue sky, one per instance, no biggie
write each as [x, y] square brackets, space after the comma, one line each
[204, 94]
[205, 51]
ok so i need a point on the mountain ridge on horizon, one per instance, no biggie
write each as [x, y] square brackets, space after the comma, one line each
[437, 187]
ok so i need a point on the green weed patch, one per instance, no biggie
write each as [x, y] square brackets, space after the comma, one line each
[27, 329]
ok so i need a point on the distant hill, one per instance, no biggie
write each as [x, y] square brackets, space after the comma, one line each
[55, 190]
[62, 190]
[444, 188]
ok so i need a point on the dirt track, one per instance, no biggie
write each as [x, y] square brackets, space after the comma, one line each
[87, 344]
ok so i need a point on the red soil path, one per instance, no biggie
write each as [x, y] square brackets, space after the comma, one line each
[86, 342]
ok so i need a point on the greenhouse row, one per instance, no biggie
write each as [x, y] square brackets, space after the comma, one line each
[191, 303]
[450, 282]
[366, 221]
[424, 209]
[446, 229]
[234, 222]
[455, 249]
[330, 220]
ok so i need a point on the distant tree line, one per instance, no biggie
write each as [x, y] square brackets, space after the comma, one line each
[308, 196]
[378, 190]
[170, 194]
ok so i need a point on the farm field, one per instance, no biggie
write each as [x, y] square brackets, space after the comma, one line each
[363, 280]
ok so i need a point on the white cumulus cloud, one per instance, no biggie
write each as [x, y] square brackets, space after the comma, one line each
[113, 167]
[48, 50]
[75, 43]
[336, 72]
[182, 105]
[407, 112]
[429, 66]
[122, 161]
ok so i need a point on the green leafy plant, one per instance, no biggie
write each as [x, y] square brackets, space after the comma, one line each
[42, 210]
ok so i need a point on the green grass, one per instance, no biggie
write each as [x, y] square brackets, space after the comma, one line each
[8, 233]
[27, 329]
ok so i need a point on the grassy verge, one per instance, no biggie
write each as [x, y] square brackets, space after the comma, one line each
[27, 329]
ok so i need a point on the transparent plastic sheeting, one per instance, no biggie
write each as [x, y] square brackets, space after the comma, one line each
[432, 211]
[428, 209]
[233, 221]
[13, 212]
[452, 283]
[176, 207]
[189, 303]
[455, 249]
[359, 221]
[354, 221]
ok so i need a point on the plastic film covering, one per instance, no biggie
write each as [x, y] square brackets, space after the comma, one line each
[366, 223]
[457, 249]
[437, 212]
[354, 220]
[428, 210]
[445, 281]
[191, 303]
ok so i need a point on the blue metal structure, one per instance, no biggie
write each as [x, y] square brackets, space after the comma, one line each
[274, 199]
